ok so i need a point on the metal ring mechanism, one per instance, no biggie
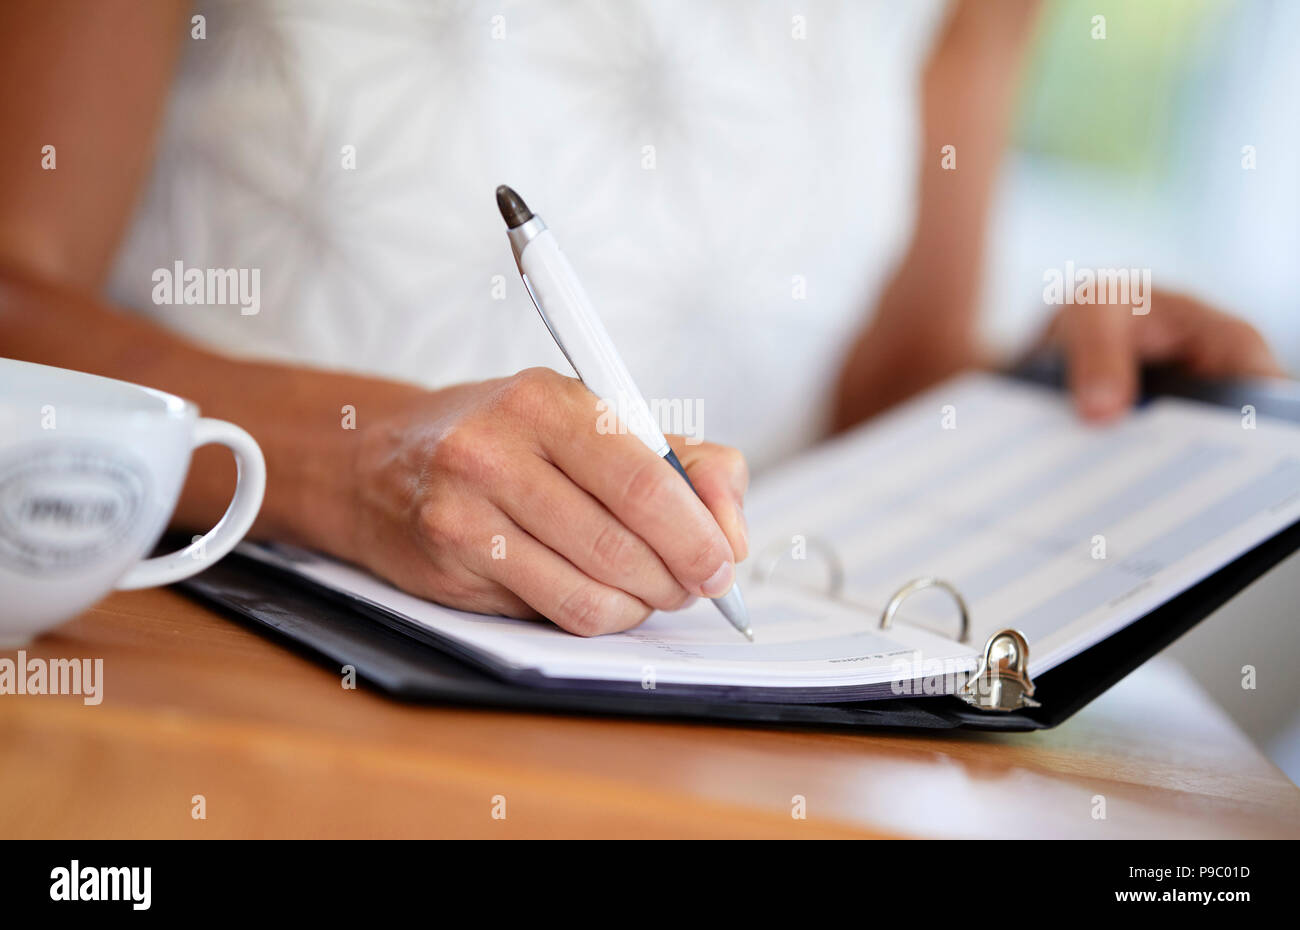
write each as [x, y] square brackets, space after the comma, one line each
[920, 584]
[767, 561]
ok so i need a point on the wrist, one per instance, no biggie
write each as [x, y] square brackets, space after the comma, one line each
[311, 495]
[309, 425]
[887, 365]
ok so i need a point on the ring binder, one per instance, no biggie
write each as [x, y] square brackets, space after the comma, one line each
[1000, 683]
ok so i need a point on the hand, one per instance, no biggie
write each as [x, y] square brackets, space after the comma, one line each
[503, 497]
[1106, 345]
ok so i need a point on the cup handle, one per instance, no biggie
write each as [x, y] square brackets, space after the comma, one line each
[234, 523]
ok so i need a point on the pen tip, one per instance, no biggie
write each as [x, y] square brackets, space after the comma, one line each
[749, 634]
[513, 209]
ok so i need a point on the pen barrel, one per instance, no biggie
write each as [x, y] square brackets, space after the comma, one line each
[569, 315]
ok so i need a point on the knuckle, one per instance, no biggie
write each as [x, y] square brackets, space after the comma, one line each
[494, 602]
[535, 380]
[471, 453]
[490, 466]
[533, 396]
[456, 451]
[614, 551]
[530, 380]
[1249, 335]
[519, 394]
[734, 462]
[633, 617]
[437, 527]
[646, 487]
[451, 591]
[675, 599]
[586, 611]
[451, 528]
[534, 384]
[706, 559]
[563, 385]
[572, 407]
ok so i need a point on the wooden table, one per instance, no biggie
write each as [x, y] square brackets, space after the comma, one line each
[195, 704]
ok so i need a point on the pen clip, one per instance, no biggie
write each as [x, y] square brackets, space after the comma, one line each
[528, 286]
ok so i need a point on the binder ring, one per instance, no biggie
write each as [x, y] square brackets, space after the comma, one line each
[920, 584]
[765, 565]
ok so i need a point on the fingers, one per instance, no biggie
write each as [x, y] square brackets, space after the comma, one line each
[1238, 350]
[600, 529]
[642, 491]
[557, 513]
[721, 479]
[1210, 343]
[551, 585]
[1105, 346]
[1100, 358]
[648, 496]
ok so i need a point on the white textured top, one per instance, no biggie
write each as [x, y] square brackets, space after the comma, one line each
[733, 182]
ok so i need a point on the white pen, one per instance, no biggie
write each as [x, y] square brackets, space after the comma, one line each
[568, 314]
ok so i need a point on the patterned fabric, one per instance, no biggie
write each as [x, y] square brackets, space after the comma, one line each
[733, 195]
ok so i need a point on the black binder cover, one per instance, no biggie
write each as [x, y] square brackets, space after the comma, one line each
[339, 631]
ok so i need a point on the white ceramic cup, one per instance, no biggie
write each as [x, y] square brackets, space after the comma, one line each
[90, 472]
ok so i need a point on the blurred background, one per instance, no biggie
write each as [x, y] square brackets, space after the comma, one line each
[1129, 153]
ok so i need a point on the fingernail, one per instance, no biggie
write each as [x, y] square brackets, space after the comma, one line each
[1100, 398]
[720, 582]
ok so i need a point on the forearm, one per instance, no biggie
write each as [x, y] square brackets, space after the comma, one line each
[905, 349]
[296, 414]
[925, 326]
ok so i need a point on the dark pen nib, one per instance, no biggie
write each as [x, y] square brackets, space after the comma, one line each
[513, 209]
